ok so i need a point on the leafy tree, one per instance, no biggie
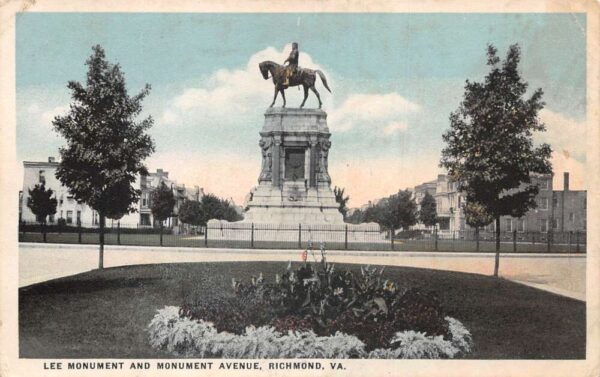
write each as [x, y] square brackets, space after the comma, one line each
[341, 200]
[428, 211]
[42, 204]
[489, 148]
[190, 212]
[162, 203]
[356, 217]
[212, 208]
[406, 209]
[372, 214]
[477, 216]
[105, 145]
[398, 210]
[228, 211]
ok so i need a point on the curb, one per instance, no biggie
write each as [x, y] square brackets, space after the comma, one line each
[94, 247]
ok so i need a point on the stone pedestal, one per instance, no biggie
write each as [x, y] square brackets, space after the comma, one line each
[294, 186]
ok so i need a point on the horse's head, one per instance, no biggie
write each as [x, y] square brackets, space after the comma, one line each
[264, 69]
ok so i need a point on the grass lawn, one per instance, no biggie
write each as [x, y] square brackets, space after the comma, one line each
[104, 314]
[399, 245]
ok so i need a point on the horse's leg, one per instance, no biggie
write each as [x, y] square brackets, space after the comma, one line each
[274, 96]
[305, 95]
[283, 95]
[317, 94]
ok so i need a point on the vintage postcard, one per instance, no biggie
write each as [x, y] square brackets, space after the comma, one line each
[333, 188]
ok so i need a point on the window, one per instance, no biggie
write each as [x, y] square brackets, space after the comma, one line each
[51, 218]
[508, 225]
[543, 225]
[145, 219]
[78, 217]
[69, 217]
[555, 223]
[555, 202]
[543, 203]
[42, 177]
[544, 184]
[571, 217]
[61, 214]
[520, 225]
[95, 218]
[145, 200]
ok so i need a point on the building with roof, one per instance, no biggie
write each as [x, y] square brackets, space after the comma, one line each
[75, 212]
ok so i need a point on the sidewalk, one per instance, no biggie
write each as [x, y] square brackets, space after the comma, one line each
[562, 274]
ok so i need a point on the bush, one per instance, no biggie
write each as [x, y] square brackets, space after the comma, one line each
[182, 336]
[322, 299]
[415, 234]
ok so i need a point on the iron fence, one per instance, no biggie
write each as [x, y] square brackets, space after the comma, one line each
[300, 236]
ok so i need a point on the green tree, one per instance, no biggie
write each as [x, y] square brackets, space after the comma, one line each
[228, 211]
[105, 145]
[356, 217]
[489, 148]
[395, 211]
[162, 203]
[477, 216]
[212, 208]
[190, 212]
[428, 211]
[406, 209]
[42, 204]
[341, 200]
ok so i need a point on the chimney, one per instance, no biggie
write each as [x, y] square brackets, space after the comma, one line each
[566, 181]
[51, 159]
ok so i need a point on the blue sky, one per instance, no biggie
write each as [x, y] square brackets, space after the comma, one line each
[395, 79]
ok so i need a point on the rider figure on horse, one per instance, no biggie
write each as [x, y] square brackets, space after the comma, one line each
[290, 69]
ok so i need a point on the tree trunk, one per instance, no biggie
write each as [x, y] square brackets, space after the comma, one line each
[44, 230]
[497, 258]
[477, 238]
[161, 233]
[101, 235]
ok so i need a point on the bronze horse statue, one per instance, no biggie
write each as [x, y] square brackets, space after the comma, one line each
[303, 76]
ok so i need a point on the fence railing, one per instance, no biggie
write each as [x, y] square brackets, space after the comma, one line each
[300, 236]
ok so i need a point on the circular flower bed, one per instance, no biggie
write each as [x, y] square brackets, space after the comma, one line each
[314, 311]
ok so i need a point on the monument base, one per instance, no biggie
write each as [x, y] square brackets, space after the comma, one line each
[293, 203]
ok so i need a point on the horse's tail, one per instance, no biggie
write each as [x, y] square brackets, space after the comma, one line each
[322, 76]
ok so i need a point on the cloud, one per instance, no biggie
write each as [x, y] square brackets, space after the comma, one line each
[562, 163]
[224, 174]
[567, 137]
[229, 96]
[360, 110]
[46, 117]
[376, 178]
[233, 97]
[395, 126]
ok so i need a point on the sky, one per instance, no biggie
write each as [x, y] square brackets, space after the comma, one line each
[395, 79]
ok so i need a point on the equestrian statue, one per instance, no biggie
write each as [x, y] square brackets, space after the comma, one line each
[285, 76]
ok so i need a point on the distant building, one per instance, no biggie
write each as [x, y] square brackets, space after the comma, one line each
[75, 212]
[562, 210]
[150, 182]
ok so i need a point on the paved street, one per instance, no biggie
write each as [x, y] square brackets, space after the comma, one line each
[559, 273]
